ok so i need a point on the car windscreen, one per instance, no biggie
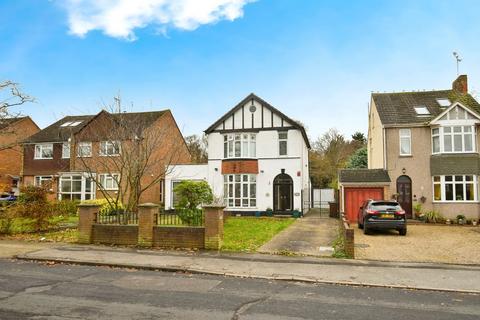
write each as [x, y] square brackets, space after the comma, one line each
[384, 205]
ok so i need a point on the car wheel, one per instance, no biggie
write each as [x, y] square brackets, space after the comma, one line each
[366, 230]
[403, 232]
[360, 226]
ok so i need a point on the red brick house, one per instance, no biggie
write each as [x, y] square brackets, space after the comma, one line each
[88, 157]
[12, 132]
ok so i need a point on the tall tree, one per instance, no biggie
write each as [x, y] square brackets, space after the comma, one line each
[11, 96]
[197, 145]
[359, 137]
[359, 159]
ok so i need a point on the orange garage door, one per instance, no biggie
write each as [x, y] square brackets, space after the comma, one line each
[354, 198]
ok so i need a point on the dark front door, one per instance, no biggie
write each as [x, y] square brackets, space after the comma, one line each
[404, 190]
[283, 193]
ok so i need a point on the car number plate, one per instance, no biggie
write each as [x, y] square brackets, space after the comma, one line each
[387, 216]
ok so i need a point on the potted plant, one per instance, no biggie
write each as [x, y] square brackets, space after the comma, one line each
[417, 209]
[474, 222]
[296, 213]
[269, 212]
[448, 221]
[461, 219]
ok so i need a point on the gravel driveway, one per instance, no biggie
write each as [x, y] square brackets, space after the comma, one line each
[445, 244]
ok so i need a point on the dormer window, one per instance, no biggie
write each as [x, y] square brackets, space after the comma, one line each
[422, 111]
[240, 145]
[443, 102]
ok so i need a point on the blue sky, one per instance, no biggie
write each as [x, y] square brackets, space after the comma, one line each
[317, 61]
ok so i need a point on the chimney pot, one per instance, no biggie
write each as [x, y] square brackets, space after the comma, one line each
[460, 84]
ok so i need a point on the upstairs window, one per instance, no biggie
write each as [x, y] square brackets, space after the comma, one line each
[283, 143]
[66, 150]
[109, 148]
[44, 151]
[84, 149]
[405, 142]
[240, 145]
[453, 139]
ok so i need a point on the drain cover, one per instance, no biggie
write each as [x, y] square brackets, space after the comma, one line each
[362, 245]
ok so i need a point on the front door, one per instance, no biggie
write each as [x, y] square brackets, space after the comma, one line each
[283, 193]
[404, 190]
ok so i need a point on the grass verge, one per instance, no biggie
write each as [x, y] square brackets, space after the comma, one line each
[247, 234]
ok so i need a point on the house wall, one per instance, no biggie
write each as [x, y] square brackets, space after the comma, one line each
[417, 167]
[375, 145]
[38, 167]
[183, 172]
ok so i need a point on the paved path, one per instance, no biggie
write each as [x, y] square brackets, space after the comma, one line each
[312, 235]
[274, 267]
[34, 291]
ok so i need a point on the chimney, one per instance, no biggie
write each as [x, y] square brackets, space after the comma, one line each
[460, 84]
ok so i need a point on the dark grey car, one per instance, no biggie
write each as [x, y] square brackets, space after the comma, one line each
[382, 215]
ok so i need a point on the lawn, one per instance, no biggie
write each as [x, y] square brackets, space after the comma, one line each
[247, 234]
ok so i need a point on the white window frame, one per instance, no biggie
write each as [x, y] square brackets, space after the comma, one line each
[407, 134]
[280, 140]
[81, 145]
[66, 150]
[441, 134]
[39, 148]
[84, 193]
[107, 146]
[112, 178]
[38, 180]
[463, 183]
[247, 143]
[247, 198]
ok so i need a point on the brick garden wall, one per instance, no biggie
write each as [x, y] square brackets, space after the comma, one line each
[115, 234]
[179, 237]
[348, 236]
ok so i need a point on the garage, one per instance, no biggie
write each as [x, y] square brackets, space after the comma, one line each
[358, 185]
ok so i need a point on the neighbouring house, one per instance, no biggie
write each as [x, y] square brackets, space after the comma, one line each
[257, 160]
[423, 148]
[95, 156]
[12, 132]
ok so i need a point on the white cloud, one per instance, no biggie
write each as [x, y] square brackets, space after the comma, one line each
[119, 18]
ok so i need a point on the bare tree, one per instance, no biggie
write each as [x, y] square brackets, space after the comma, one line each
[11, 96]
[197, 145]
[135, 151]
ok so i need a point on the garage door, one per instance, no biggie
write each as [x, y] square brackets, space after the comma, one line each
[354, 197]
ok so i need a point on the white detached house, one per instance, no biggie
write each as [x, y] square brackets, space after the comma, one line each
[257, 160]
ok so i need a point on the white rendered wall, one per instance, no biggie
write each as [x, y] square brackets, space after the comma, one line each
[183, 172]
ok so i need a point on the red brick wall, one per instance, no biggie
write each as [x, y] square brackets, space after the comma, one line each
[115, 234]
[178, 237]
[239, 166]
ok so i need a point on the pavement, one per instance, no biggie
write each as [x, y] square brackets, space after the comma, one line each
[312, 235]
[35, 291]
[421, 276]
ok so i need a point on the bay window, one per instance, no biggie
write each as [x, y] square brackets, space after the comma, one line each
[453, 139]
[76, 187]
[461, 188]
[240, 190]
[239, 145]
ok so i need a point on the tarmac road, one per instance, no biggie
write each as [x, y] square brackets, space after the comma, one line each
[40, 291]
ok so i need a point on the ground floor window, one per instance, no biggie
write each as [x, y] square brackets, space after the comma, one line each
[240, 190]
[43, 181]
[109, 181]
[76, 187]
[455, 188]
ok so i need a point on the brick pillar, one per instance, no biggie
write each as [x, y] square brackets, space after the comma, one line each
[213, 227]
[87, 215]
[350, 243]
[146, 221]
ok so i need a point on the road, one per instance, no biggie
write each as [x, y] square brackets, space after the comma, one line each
[40, 291]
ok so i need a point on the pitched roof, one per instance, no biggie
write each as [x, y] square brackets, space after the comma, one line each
[399, 107]
[266, 104]
[58, 133]
[363, 175]
[5, 122]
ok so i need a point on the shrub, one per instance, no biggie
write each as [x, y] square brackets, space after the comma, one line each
[192, 194]
[65, 207]
[191, 217]
[7, 217]
[433, 216]
[107, 207]
[417, 208]
[33, 204]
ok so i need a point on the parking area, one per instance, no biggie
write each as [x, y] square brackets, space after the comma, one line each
[423, 243]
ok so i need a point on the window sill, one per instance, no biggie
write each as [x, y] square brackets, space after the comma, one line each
[109, 155]
[406, 156]
[43, 158]
[454, 202]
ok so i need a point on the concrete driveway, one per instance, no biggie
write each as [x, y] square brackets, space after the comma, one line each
[423, 243]
[311, 235]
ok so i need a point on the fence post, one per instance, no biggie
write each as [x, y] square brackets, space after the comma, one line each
[213, 227]
[87, 215]
[146, 216]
